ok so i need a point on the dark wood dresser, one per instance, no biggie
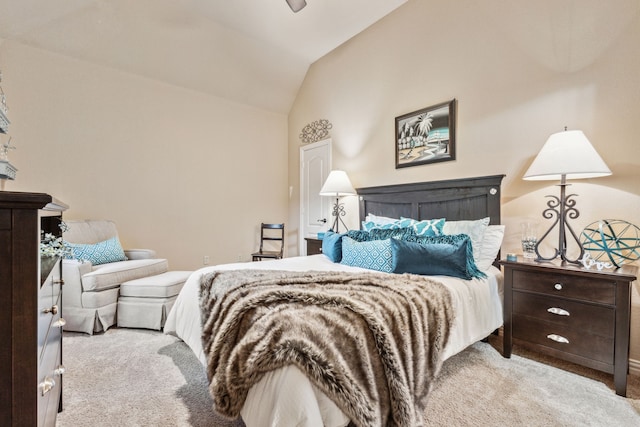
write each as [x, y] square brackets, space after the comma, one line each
[572, 313]
[30, 322]
[314, 246]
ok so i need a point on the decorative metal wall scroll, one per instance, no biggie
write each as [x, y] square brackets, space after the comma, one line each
[315, 131]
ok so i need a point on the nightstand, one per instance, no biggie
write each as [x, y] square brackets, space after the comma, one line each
[571, 313]
[314, 246]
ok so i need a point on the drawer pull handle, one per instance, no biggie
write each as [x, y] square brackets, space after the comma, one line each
[558, 311]
[46, 385]
[52, 310]
[59, 370]
[558, 338]
[59, 323]
[58, 282]
[558, 286]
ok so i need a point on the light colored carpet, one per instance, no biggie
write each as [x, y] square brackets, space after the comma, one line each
[129, 377]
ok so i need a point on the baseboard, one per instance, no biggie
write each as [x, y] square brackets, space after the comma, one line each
[634, 367]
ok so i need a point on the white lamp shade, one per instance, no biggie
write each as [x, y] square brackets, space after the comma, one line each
[567, 153]
[337, 184]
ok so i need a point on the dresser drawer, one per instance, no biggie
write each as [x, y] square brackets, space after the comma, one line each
[49, 363]
[579, 343]
[588, 318]
[47, 372]
[48, 305]
[565, 285]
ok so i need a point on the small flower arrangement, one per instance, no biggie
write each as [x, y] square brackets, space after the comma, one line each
[54, 246]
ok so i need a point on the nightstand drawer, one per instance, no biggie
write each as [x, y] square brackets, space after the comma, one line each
[567, 286]
[588, 318]
[564, 339]
[314, 246]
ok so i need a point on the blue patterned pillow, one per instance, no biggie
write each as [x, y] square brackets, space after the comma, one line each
[99, 253]
[426, 227]
[373, 255]
[370, 225]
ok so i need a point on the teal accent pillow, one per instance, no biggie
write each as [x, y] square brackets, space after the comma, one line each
[439, 259]
[375, 221]
[368, 225]
[359, 235]
[373, 255]
[332, 245]
[99, 253]
[448, 257]
[426, 227]
[380, 234]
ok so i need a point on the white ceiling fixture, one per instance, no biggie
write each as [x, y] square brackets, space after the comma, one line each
[296, 5]
[247, 51]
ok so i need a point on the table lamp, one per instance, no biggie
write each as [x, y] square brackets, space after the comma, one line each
[336, 185]
[565, 155]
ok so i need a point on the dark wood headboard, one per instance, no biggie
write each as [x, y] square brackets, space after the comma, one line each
[453, 199]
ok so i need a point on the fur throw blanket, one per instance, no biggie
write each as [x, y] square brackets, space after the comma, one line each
[371, 342]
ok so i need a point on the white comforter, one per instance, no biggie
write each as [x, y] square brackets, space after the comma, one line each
[285, 397]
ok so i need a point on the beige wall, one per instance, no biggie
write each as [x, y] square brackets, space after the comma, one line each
[179, 171]
[520, 71]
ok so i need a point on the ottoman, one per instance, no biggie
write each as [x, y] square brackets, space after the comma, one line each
[145, 303]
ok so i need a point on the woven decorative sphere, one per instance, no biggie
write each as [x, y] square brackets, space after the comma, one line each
[612, 240]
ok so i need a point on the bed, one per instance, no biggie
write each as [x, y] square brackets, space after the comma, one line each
[286, 396]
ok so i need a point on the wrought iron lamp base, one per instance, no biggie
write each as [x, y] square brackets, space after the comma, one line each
[562, 208]
[338, 212]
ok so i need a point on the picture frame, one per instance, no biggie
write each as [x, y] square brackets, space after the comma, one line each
[426, 136]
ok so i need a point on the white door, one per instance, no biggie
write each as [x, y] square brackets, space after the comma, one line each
[315, 165]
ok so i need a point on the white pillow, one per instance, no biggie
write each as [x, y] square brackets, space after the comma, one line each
[491, 244]
[474, 229]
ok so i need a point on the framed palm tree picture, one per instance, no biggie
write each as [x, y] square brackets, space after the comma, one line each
[426, 136]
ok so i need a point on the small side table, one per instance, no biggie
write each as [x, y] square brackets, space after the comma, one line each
[572, 313]
[314, 246]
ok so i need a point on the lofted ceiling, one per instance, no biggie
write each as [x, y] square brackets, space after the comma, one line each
[255, 52]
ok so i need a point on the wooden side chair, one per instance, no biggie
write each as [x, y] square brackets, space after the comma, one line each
[270, 233]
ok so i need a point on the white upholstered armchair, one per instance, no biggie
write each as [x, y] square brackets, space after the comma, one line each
[92, 283]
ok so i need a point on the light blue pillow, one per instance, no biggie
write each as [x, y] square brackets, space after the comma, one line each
[99, 253]
[332, 245]
[373, 255]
